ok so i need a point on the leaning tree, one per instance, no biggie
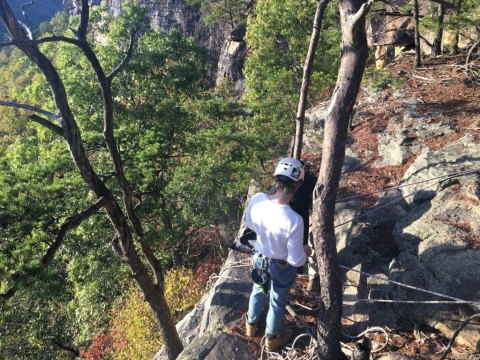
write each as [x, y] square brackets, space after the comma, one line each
[120, 208]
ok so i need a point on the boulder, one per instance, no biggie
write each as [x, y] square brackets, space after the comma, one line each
[439, 238]
[228, 300]
[406, 132]
[217, 345]
[431, 166]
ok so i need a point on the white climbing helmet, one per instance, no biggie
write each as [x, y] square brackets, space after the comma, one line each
[291, 168]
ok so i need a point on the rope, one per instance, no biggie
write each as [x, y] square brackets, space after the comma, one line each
[446, 176]
[299, 320]
[296, 303]
[415, 301]
[461, 301]
[372, 329]
[386, 205]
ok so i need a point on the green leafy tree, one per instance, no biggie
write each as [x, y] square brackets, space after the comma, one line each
[154, 151]
[278, 37]
[231, 12]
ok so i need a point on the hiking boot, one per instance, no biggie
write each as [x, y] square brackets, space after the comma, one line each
[251, 329]
[313, 284]
[273, 343]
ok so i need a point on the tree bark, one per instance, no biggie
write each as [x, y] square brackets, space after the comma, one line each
[437, 43]
[151, 288]
[352, 65]
[456, 38]
[307, 73]
[416, 17]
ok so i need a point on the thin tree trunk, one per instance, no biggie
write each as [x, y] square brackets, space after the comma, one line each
[352, 66]
[456, 38]
[437, 43]
[416, 16]
[307, 73]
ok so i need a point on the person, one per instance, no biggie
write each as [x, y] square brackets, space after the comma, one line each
[279, 250]
[302, 204]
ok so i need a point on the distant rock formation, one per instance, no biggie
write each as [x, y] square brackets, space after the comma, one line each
[73, 7]
[226, 48]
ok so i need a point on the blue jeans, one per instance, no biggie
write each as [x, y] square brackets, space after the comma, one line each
[282, 276]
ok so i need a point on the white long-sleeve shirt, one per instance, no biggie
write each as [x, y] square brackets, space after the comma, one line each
[279, 230]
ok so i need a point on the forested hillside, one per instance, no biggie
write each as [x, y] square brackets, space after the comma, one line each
[125, 166]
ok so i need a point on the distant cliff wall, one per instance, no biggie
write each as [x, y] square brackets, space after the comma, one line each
[176, 14]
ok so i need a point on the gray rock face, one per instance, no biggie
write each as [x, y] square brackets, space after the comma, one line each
[402, 137]
[226, 302]
[425, 234]
[217, 345]
[226, 48]
[230, 63]
[223, 47]
[73, 7]
[390, 29]
[458, 157]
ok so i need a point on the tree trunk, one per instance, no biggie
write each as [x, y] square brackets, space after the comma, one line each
[352, 66]
[296, 151]
[437, 43]
[456, 38]
[416, 16]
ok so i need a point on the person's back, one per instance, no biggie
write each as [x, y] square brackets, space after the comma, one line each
[278, 229]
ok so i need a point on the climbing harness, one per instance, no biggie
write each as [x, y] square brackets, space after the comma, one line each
[259, 274]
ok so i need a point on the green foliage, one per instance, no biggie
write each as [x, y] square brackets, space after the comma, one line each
[231, 12]
[186, 152]
[58, 25]
[133, 330]
[36, 318]
[278, 37]
[380, 79]
[468, 16]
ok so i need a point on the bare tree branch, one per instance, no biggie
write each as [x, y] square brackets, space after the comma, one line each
[41, 41]
[31, 108]
[360, 14]
[426, 41]
[460, 328]
[296, 150]
[125, 60]
[44, 122]
[469, 54]
[152, 290]
[70, 223]
[107, 98]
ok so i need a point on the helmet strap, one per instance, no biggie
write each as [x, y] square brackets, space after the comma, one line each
[285, 194]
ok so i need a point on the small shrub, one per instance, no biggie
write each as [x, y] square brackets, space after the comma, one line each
[133, 329]
[381, 79]
[182, 291]
[99, 348]
[206, 268]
